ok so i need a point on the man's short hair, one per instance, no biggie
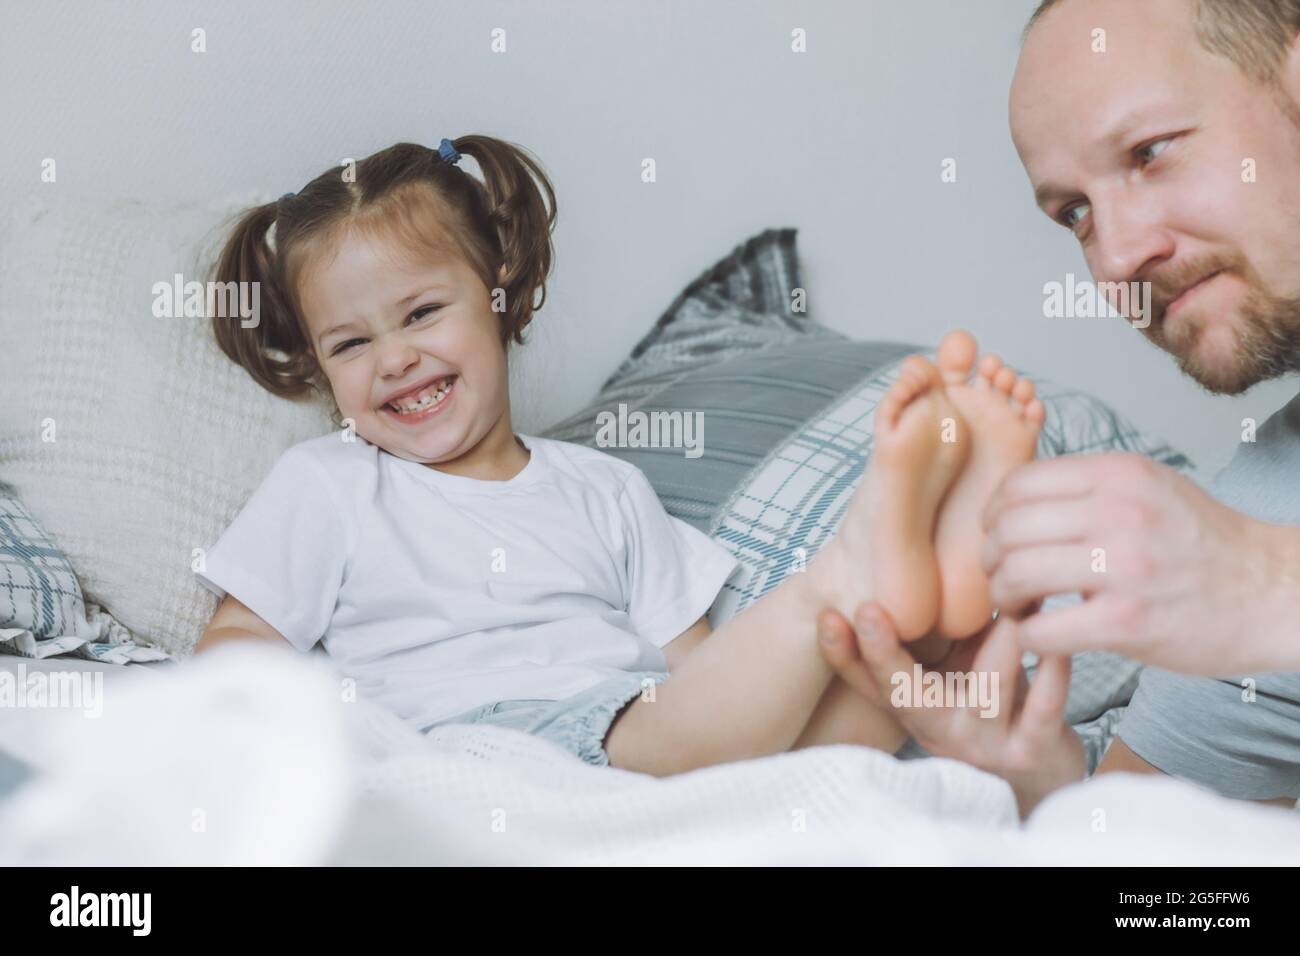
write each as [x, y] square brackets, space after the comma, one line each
[1254, 34]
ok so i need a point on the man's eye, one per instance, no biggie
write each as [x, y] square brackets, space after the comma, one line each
[1073, 215]
[1148, 152]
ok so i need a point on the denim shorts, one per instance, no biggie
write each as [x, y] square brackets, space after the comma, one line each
[577, 724]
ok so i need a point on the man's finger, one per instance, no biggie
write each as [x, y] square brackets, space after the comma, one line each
[839, 647]
[998, 647]
[1033, 523]
[1000, 654]
[1077, 628]
[1071, 476]
[881, 650]
[1032, 574]
[1044, 708]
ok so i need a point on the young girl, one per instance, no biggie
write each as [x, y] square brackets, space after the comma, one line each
[462, 572]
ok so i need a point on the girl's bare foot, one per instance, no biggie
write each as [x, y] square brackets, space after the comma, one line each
[1004, 419]
[920, 447]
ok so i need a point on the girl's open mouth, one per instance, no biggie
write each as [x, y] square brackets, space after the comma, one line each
[424, 404]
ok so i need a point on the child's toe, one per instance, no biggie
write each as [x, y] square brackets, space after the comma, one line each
[1036, 412]
[1004, 380]
[956, 356]
[990, 365]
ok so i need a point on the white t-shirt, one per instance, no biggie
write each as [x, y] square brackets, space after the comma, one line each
[439, 593]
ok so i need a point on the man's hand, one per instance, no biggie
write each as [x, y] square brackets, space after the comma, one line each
[1026, 742]
[1169, 576]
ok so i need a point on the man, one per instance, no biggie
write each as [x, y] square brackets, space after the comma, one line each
[1166, 135]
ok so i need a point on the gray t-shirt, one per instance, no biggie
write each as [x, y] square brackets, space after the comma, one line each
[1206, 730]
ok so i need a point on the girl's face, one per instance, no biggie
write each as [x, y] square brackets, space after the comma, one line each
[386, 328]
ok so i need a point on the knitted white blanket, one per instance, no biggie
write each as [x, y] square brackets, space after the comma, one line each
[251, 755]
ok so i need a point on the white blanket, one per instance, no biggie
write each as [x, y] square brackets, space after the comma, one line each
[252, 754]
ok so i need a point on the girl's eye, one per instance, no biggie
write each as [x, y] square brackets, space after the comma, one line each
[1148, 152]
[1072, 216]
[417, 315]
[421, 313]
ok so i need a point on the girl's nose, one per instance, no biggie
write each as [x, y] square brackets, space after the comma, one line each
[396, 356]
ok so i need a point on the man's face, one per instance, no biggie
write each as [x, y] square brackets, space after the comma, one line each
[1144, 151]
[381, 323]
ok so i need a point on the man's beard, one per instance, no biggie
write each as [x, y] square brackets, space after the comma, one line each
[1268, 337]
[1267, 334]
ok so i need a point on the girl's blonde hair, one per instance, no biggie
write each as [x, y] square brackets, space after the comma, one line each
[501, 226]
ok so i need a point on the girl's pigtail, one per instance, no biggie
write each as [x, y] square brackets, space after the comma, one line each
[521, 207]
[273, 349]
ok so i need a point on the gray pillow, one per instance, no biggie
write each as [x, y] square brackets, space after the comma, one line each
[788, 407]
[733, 348]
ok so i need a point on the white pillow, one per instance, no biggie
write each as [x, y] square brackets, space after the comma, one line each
[158, 437]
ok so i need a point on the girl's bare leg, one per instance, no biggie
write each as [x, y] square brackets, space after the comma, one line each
[844, 716]
[759, 684]
[747, 691]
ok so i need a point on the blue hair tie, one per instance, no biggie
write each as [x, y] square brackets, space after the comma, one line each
[448, 152]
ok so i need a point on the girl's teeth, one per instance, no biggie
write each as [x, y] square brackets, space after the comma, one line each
[427, 399]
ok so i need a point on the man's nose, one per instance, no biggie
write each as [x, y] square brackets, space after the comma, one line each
[1130, 240]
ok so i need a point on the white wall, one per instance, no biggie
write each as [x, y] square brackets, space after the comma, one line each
[844, 142]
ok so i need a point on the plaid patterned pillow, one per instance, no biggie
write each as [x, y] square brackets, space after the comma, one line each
[794, 502]
[38, 588]
[42, 609]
